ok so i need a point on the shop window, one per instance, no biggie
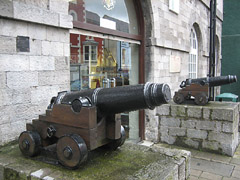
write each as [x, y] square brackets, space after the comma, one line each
[118, 15]
[105, 52]
[193, 55]
[95, 60]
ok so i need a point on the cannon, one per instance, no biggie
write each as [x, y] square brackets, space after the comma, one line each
[198, 89]
[79, 122]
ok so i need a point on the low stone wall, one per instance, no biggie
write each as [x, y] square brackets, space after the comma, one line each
[213, 127]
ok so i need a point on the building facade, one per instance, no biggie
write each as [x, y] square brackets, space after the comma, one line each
[34, 60]
[111, 43]
[177, 46]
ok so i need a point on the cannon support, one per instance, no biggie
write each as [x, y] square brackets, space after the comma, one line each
[198, 89]
[78, 122]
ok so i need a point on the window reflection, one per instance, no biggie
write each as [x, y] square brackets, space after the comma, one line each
[118, 15]
[97, 62]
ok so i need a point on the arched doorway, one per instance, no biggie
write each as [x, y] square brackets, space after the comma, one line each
[107, 49]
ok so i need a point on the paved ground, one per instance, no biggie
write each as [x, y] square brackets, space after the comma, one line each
[209, 166]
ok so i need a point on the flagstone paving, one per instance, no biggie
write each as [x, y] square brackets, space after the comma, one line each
[209, 166]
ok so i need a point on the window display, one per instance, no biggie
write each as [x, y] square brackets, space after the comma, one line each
[105, 45]
[97, 62]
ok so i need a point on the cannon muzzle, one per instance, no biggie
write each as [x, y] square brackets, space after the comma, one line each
[211, 81]
[120, 99]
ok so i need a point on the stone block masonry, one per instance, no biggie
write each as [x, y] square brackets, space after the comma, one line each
[28, 79]
[213, 127]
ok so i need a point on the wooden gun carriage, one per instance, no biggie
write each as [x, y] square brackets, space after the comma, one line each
[198, 89]
[78, 122]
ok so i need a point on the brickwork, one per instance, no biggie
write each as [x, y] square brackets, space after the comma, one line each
[213, 127]
[28, 80]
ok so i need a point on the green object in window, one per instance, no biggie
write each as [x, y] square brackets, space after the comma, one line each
[227, 97]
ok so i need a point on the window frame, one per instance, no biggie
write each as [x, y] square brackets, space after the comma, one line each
[193, 55]
[90, 53]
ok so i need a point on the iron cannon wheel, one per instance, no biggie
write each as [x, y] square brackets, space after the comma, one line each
[201, 99]
[29, 143]
[118, 142]
[178, 98]
[71, 151]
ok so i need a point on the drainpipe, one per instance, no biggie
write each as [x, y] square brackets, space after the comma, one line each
[213, 8]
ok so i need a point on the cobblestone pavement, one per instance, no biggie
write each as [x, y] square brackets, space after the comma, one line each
[209, 166]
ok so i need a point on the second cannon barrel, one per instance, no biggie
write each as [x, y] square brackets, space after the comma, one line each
[213, 81]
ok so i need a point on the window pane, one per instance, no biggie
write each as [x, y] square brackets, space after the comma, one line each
[118, 15]
[86, 49]
[111, 63]
[193, 54]
[86, 56]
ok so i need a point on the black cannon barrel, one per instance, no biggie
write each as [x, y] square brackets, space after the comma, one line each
[123, 98]
[213, 81]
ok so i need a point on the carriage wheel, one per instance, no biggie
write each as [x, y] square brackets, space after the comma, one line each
[71, 151]
[29, 143]
[178, 98]
[201, 99]
[118, 142]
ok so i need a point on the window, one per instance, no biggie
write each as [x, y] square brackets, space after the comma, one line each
[90, 53]
[193, 55]
[119, 15]
[174, 6]
[105, 49]
[73, 14]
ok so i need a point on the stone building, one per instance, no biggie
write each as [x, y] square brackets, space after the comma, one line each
[44, 50]
[34, 60]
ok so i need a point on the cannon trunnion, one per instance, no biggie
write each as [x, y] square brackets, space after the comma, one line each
[78, 122]
[198, 89]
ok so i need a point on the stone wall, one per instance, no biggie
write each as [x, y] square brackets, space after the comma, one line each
[168, 37]
[29, 79]
[213, 127]
[168, 40]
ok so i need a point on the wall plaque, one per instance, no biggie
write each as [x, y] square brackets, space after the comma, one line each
[175, 64]
[23, 44]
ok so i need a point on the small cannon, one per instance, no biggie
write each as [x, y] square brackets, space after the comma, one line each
[78, 122]
[199, 88]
